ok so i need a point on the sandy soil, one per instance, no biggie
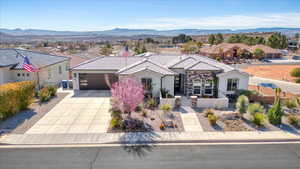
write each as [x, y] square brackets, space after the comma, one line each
[278, 72]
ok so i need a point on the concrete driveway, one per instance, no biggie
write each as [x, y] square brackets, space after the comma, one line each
[85, 112]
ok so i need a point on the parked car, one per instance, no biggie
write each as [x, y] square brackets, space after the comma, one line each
[265, 60]
[296, 57]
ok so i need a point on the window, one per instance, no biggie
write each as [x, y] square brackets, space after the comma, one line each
[75, 75]
[147, 83]
[197, 87]
[27, 74]
[18, 74]
[49, 73]
[59, 70]
[232, 84]
[208, 87]
[23, 74]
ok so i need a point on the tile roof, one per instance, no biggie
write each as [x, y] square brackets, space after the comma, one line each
[10, 57]
[156, 63]
[146, 64]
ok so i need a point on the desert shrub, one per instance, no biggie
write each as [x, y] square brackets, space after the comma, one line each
[166, 107]
[212, 119]
[144, 113]
[291, 103]
[162, 126]
[293, 120]
[116, 122]
[52, 90]
[255, 108]
[242, 104]
[151, 103]
[44, 94]
[15, 97]
[258, 119]
[276, 112]
[208, 112]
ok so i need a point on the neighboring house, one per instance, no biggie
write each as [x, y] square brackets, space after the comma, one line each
[52, 69]
[235, 50]
[179, 74]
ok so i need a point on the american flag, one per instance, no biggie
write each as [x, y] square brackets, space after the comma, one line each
[125, 52]
[27, 65]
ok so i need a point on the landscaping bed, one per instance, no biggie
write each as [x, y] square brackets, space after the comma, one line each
[25, 119]
[153, 120]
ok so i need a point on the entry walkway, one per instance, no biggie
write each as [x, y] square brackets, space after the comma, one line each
[189, 119]
[84, 112]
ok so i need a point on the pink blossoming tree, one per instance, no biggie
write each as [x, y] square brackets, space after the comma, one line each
[127, 94]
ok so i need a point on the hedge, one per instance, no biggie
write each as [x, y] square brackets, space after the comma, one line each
[46, 93]
[15, 97]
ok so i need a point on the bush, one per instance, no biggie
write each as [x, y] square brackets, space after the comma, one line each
[208, 112]
[242, 104]
[166, 107]
[258, 119]
[255, 108]
[144, 113]
[293, 120]
[52, 90]
[247, 93]
[115, 113]
[275, 114]
[46, 93]
[116, 122]
[212, 119]
[15, 97]
[296, 73]
[291, 103]
[139, 108]
[151, 103]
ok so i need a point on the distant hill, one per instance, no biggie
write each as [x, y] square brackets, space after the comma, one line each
[135, 32]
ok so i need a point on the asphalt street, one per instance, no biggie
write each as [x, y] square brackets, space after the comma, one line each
[264, 156]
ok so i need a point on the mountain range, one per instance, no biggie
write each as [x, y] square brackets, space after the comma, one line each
[134, 32]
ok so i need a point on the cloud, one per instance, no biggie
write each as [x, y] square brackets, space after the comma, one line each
[220, 22]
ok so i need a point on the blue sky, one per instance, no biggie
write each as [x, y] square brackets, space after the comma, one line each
[90, 15]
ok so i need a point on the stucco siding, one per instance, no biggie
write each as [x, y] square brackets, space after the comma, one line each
[5, 75]
[243, 80]
[168, 83]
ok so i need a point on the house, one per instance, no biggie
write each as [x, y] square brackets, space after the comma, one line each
[52, 69]
[180, 74]
[237, 50]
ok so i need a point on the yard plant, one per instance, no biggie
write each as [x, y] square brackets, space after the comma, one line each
[296, 73]
[258, 119]
[212, 119]
[242, 104]
[255, 108]
[46, 93]
[294, 120]
[166, 107]
[15, 97]
[276, 112]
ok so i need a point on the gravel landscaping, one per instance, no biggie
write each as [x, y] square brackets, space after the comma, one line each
[154, 119]
[24, 120]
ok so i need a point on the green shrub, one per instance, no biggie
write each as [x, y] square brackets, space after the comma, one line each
[165, 93]
[208, 112]
[296, 73]
[44, 95]
[15, 97]
[242, 104]
[291, 103]
[139, 108]
[258, 119]
[293, 120]
[212, 119]
[275, 113]
[255, 108]
[151, 103]
[52, 90]
[116, 113]
[144, 113]
[116, 122]
[166, 107]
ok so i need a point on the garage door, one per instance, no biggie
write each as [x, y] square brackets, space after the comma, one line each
[93, 81]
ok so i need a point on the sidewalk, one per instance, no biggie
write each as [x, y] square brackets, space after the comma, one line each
[190, 120]
[149, 137]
